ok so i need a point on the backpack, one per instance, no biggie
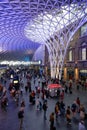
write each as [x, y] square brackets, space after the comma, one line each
[44, 107]
[20, 114]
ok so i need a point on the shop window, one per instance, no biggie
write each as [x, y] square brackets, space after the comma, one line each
[83, 53]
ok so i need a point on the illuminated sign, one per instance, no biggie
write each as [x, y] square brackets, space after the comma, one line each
[21, 63]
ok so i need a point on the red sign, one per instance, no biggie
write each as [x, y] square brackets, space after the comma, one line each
[52, 86]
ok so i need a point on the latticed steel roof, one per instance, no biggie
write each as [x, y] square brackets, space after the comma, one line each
[26, 24]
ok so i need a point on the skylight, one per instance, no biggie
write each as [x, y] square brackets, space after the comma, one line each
[46, 24]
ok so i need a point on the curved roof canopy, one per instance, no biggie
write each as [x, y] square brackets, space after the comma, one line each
[26, 24]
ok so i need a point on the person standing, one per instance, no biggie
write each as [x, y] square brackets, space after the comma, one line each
[45, 109]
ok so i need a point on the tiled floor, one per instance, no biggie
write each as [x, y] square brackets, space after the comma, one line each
[33, 119]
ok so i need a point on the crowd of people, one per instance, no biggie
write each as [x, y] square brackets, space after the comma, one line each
[39, 96]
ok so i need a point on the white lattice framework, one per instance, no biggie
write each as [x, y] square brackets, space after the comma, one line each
[55, 28]
[49, 22]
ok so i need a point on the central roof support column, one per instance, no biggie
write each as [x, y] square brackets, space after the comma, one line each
[55, 56]
[56, 67]
[57, 47]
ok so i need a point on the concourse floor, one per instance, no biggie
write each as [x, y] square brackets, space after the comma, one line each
[33, 119]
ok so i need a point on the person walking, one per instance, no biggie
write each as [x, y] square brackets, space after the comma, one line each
[56, 112]
[51, 121]
[68, 115]
[45, 109]
[26, 88]
[22, 104]
[78, 104]
[21, 116]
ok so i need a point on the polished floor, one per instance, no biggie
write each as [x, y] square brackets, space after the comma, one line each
[33, 119]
